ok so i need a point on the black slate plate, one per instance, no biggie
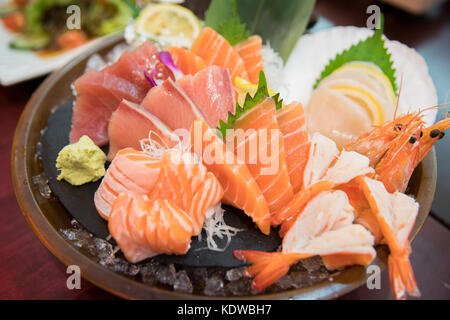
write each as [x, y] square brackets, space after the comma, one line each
[79, 202]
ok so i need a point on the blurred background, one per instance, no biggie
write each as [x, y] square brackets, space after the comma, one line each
[421, 24]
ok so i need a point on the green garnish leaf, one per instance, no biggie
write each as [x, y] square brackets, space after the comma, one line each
[371, 50]
[261, 93]
[232, 29]
[279, 22]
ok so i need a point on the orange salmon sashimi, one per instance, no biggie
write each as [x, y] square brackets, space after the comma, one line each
[187, 183]
[258, 142]
[329, 234]
[291, 120]
[131, 171]
[239, 187]
[144, 228]
[187, 61]
[215, 50]
[250, 52]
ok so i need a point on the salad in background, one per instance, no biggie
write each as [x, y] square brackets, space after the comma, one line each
[42, 24]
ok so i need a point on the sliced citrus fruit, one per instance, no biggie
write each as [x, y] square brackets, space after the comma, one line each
[168, 23]
[377, 107]
[244, 86]
[374, 72]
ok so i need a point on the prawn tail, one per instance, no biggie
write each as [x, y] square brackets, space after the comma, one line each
[401, 277]
[268, 267]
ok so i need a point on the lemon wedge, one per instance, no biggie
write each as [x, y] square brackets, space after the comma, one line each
[168, 23]
[374, 72]
[243, 87]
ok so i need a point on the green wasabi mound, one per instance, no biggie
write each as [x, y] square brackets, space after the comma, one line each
[81, 162]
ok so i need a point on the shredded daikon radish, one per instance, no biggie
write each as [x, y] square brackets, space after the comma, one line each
[215, 226]
[273, 68]
[155, 149]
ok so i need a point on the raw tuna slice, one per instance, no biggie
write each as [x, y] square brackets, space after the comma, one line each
[142, 122]
[170, 104]
[212, 92]
[98, 93]
[132, 64]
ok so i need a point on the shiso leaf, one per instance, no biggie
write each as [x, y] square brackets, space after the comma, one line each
[261, 93]
[232, 29]
[371, 49]
[279, 22]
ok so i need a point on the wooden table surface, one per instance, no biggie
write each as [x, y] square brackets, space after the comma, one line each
[29, 271]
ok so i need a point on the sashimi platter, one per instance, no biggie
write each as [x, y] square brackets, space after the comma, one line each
[198, 158]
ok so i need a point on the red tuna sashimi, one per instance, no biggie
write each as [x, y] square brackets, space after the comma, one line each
[100, 92]
[98, 95]
[170, 104]
[211, 91]
[142, 122]
[132, 64]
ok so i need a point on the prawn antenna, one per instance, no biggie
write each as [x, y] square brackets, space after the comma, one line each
[398, 96]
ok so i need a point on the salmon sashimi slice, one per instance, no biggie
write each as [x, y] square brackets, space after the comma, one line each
[144, 228]
[131, 171]
[396, 214]
[258, 142]
[170, 104]
[123, 79]
[212, 92]
[142, 122]
[215, 50]
[187, 183]
[187, 61]
[291, 120]
[239, 187]
[250, 51]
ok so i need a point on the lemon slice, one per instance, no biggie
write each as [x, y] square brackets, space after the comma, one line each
[243, 87]
[168, 23]
[374, 72]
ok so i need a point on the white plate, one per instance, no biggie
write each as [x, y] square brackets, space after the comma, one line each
[20, 65]
[313, 52]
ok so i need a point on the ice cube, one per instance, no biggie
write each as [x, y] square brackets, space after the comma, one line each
[183, 283]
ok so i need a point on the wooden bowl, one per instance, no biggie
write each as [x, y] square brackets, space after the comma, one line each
[47, 216]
